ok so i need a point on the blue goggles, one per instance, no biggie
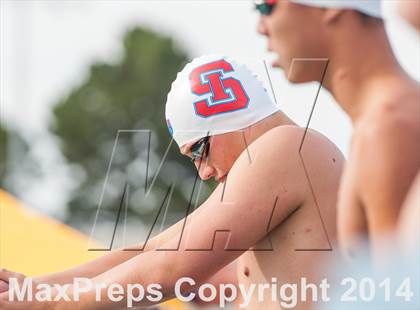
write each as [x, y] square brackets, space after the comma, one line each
[265, 7]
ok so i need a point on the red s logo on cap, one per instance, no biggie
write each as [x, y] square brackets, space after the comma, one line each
[227, 93]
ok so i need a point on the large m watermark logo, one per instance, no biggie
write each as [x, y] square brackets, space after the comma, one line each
[153, 196]
[161, 201]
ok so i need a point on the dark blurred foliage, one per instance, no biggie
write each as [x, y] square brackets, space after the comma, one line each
[17, 164]
[128, 95]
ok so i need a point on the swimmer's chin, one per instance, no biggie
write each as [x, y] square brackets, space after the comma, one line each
[276, 64]
[274, 57]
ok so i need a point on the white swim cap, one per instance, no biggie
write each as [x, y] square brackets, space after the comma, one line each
[215, 95]
[368, 7]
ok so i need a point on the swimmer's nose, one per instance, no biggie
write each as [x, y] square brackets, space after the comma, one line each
[206, 171]
[261, 27]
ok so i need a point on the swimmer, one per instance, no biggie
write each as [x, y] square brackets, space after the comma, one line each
[410, 11]
[368, 83]
[409, 223]
[274, 209]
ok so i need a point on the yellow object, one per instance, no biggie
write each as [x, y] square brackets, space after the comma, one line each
[33, 244]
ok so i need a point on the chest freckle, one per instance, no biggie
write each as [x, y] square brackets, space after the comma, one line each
[308, 230]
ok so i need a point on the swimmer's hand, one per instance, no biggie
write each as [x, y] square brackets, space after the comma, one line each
[4, 286]
[19, 279]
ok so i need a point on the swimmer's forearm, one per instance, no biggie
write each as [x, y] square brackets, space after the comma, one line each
[90, 269]
[151, 267]
[110, 260]
[162, 268]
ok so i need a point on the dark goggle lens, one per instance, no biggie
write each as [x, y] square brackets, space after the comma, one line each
[264, 8]
[200, 148]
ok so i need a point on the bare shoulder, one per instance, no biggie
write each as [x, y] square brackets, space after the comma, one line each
[286, 151]
[295, 140]
[390, 123]
[392, 115]
[386, 152]
[394, 108]
[387, 131]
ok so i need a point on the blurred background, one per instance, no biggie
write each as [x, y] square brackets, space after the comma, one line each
[83, 86]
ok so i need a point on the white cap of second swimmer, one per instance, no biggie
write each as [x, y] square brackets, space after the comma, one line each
[369, 7]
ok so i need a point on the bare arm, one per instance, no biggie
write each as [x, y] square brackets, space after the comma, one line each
[388, 162]
[227, 275]
[253, 205]
[111, 259]
[409, 222]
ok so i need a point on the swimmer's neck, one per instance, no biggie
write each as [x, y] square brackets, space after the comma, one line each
[361, 65]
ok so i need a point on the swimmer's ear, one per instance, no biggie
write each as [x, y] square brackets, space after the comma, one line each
[332, 15]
